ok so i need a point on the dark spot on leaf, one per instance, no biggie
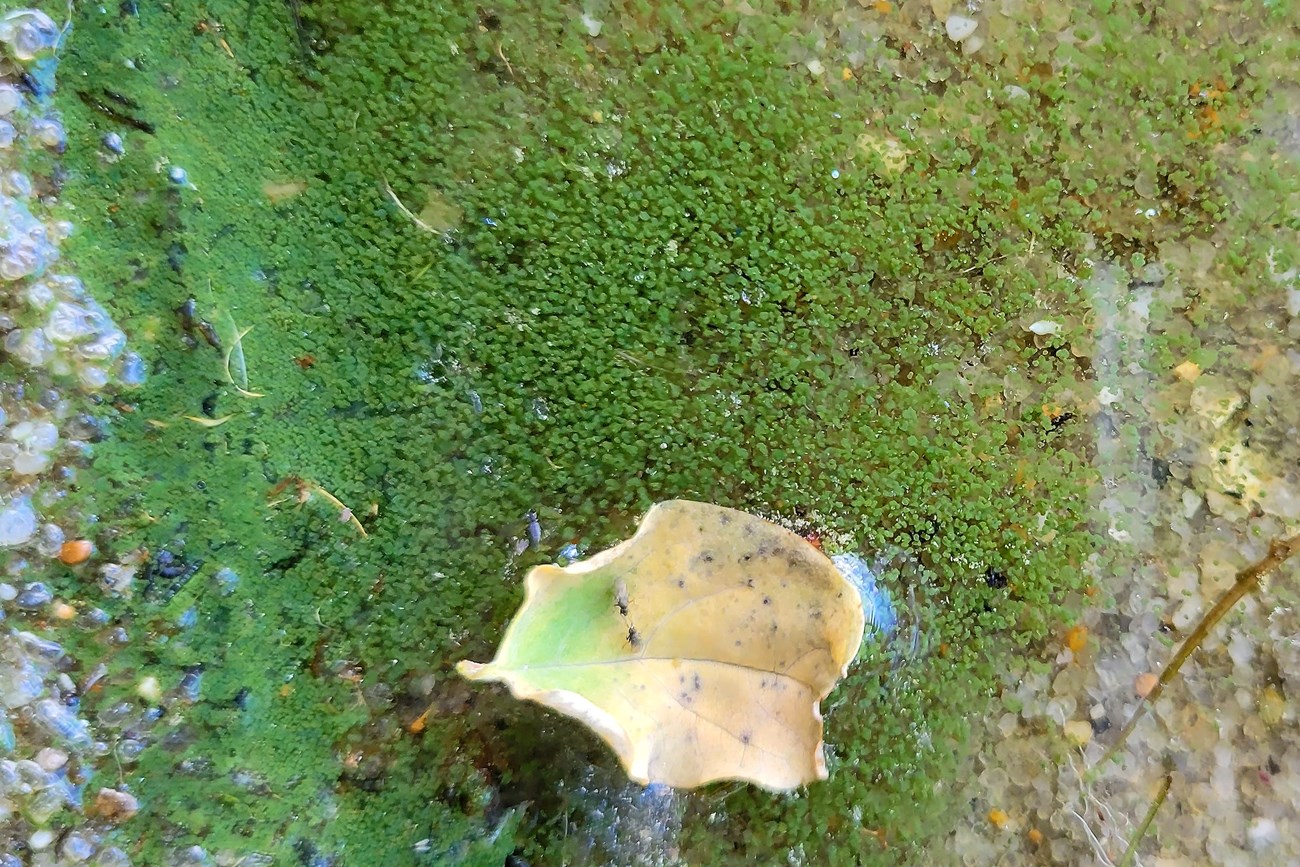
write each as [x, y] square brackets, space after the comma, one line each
[767, 600]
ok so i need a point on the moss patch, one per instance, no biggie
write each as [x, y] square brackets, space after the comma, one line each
[493, 264]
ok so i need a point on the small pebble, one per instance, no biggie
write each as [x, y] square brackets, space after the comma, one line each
[998, 818]
[41, 839]
[1044, 327]
[18, 522]
[112, 857]
[960, 28]
[149, 689]
[1144, 683]
[76, 848]
[1262, 834]
[51, 759]
[35, 595]
[115, 806]
[75, 551]
[113, 143]
[1077, 638]
[1271, 706]
[178, 176]
[63, 611]
[1078, 732]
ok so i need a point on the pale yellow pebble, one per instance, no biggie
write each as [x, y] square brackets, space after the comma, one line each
[1187, 371]
[1271, 706]
[149, 689]
[1078, 732]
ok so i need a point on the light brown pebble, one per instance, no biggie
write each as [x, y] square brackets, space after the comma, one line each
[75, 551]
[51, 759]
[63, 611]
[1144, 683]
[1078, 732]
[998, 818]
[116, 806]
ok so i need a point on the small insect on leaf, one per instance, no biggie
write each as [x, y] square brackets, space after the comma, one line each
[633, 637]
[620, 596]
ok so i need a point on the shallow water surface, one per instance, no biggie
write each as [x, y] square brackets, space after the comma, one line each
[325, 322]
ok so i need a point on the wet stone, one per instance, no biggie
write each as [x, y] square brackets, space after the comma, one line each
[35, 595]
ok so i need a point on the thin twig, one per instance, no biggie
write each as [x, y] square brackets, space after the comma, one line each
[305, 488]
[407, 211]
[1247, 580]
[1130, 854]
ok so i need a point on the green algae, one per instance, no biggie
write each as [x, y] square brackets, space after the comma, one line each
[676, 273]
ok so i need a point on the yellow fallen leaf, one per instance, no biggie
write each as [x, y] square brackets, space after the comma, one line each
[735, 631]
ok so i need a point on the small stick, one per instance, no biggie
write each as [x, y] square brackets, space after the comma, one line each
[1279, 551]
[305, 490]
[1130, 854]
[407, 211]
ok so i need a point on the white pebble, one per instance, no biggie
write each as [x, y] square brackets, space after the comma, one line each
[960, 28]
[51, 759]
[1262, 833]
[41, 839]
[149, 689]
[29, 32]
[17, 522]
[1045, 327]
[11, 99]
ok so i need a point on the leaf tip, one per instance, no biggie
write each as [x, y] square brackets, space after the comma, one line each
[471, 670]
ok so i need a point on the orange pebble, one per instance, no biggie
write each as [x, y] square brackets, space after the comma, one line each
[1077, 638]
[64, 611]
[75, 551]
[1035, 836]
[998, 818]
[1144, 683]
